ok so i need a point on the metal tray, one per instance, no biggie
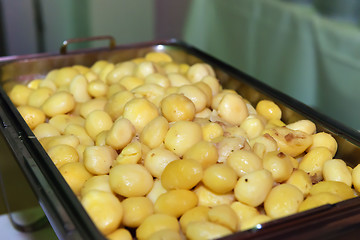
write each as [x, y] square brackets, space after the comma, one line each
[63, 210]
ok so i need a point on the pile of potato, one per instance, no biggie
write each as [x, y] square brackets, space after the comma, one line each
[159, 146]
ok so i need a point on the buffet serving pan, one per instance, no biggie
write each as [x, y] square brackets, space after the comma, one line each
[62, 208]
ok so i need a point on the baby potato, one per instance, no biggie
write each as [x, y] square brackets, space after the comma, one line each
[75, 175]
[131, 82]
[155, 223]
[181, 174]
[301, 180]
[97, 182]
[64, 76]
[356, 177]
[243, 212]
[33, 116]
[341, 189]
[69, 140]
[323, 139]
[211, 131]
[210, 199]
[267, 141]
[120, 134]
[99, 159]
[154, 132]
[120, 70]
[177, 80]
[253, 188]
[232, 109]
[136, 210]
[198, 213]
[305, 125]
[60, 102]
[202, 230]
[104, 209]
[97, 88]
[145, 68]
[105, 71]
[198, 71]
[318, 200]
[130, 154]
[80, 132]
[81, 69]
[196, 95]
[243, 162]
[33, 84]
[159, 79]
[158, 57]
[157, 159]
[92, 105]
[176, 107]
[203, 152]
[78, 88]
[313, 162]
[96, 122]
[150, 91]
[61, 121]
[62, 154]
[253, 126]
[116, 103]
[130, 180]
[279, 164]
[98, 66]
[120, 234]
[39, 96]
[181, 136]
[220, 178]
[113, 89]
[268, 109]
[176, 202]
[45, 130]
[336, 170]
[224, 215]
[140, 112]
[283, 200]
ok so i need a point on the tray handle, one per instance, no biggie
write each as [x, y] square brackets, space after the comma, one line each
[63, 48]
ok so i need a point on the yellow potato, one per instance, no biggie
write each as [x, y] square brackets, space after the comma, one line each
[64, 76]
[254, 221]
[323, 139]
[166, 234]
[198, 71]
[120, 134]
[279, 164]
[136, 210]
[203, 152]
[318, 200]
[154, 132]
[210, 199]
[176, 107]
[60, 102]
[121, 70]
[92, 105]
[224, 215]
[211, 131]
[116, 103]
[198, 213]
[33, 116]
[97, 88]
[130, 180]
[269, 109]
[232, 109]
[120, 234]
[96, 122]
[243, 162]
[39, 96]
[243, 212]
[130, 154]
[104, 209]
[157, 159]
[220, 178]
[202, 230]
[45, 130]
[181, 136]
[181, 174]
[196, 95]
[336, 170]
[253, 188]
[140, 112]
[341, 189]
[75, 175]
[301, 180]
[176, 202]
[97, 182]
[62, 154]
[155, 223]
[60, 122]
[99, 159]
[78, 88]
[283, 200]
[156, 190]
[313, 162]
